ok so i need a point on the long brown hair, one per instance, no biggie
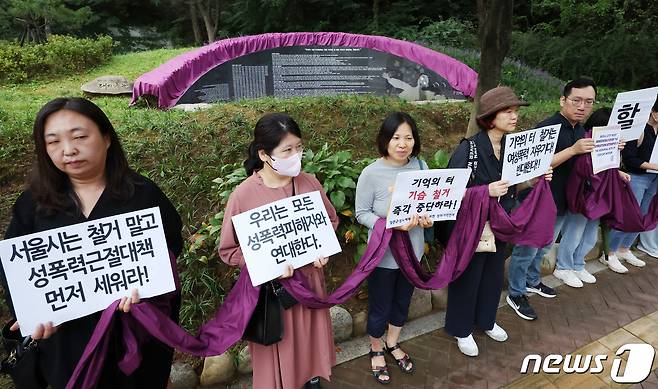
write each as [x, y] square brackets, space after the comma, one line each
[50, 187]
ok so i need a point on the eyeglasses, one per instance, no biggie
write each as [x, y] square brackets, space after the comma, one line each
[578, 101]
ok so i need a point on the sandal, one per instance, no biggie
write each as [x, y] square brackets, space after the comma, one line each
[405, 363]
[379, 371]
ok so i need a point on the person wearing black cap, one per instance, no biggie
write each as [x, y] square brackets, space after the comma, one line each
[473, 297]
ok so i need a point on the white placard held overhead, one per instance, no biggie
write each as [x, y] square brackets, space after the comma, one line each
[528, 154]
[631, 111]
[293, 231]
[437, 193]
[69, 272]
[606, 148]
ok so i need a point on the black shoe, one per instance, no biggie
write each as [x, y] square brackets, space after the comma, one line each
[521, 306]
[314, 383]
[542, 290]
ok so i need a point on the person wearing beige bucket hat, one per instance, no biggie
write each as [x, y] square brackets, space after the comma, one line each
[473, 297]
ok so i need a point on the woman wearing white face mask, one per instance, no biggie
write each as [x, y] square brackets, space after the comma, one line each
[273, 167]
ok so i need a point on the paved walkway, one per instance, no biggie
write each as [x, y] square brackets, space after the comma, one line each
[596, 319]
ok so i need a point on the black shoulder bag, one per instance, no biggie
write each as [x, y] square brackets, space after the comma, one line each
[22, 362]
[266, 324]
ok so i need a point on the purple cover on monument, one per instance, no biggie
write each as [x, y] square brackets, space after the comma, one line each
[170, 81]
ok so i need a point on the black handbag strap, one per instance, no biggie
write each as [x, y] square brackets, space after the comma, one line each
[472, 158]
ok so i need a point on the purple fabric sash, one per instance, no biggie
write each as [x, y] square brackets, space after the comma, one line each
[608, 197]
[530, 224]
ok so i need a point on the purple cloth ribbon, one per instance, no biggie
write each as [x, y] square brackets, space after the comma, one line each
[170, 81]
[530, 224]
[608, 197]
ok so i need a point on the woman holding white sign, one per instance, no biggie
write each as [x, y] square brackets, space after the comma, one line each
[81, 174]
[306, 351]
[389, 292]
[473, 298]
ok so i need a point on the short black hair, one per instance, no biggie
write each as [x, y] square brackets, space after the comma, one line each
[655, 106]
[388, 128]
[599, 118]
[579, 83]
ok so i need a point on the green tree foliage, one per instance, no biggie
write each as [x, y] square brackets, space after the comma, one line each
[37, 19]
[612, 41]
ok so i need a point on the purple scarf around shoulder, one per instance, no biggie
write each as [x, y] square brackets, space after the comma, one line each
[530, 224]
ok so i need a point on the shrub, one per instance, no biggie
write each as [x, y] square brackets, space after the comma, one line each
[61, 55]
[450, 32]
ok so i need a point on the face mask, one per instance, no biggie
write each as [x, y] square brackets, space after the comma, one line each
[289, 167]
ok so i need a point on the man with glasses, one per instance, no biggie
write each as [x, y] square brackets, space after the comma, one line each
[577, 232]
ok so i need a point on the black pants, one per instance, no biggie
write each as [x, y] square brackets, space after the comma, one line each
[473, 298]
[389, 295]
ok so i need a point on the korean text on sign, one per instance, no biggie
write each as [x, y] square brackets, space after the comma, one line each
[69, 272]
[293, 231]
[606, 148]
[631, 111]
[436, 193]
[528, 154]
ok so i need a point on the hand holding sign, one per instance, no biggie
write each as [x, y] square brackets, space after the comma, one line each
[41, 330]
[498, 188]
[549, 174]
[126, 302]
[582, 146]
[409, 226]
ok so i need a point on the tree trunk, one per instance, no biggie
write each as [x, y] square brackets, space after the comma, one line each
[375, 13]
[495, 31]
[195, 22]
[207, 16]
[46, 28]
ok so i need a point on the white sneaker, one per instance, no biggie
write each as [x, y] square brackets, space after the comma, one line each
[497, 333]
[585, 276]
[467, 346]
[613, 263]
[568, 278]
[629, 257]
[652, 254]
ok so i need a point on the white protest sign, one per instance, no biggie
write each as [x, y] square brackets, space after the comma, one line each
[606, 148]
[293, 231]
[528, 154]
[437, 193]
[631, 111]
[69, 272]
